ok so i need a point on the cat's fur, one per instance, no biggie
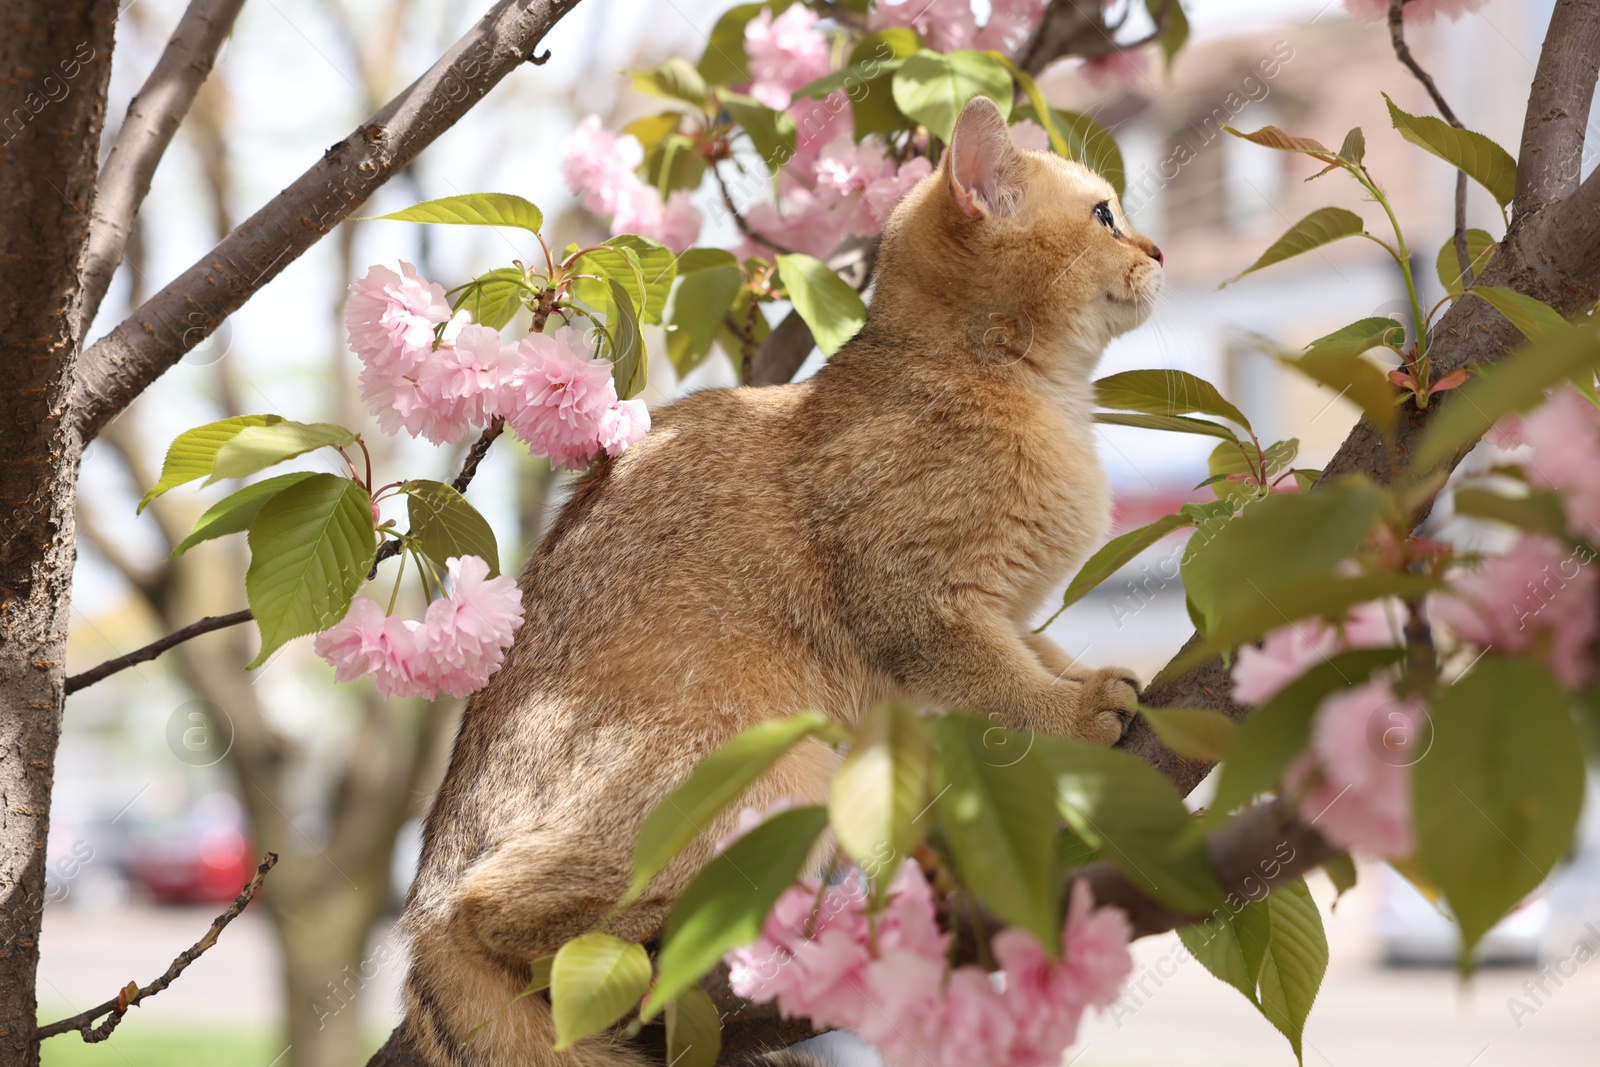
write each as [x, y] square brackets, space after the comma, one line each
[887, 528]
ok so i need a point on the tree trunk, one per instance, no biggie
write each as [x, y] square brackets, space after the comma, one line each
[327, 969]
[56, 58]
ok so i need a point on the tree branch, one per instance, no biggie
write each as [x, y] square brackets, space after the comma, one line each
[1550, 161]
[118, 1006]
[122, 364]
[153, 117]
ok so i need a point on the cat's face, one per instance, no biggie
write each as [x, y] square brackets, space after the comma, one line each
[1028, 237]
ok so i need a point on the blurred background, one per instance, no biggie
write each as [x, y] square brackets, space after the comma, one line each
[174, 776]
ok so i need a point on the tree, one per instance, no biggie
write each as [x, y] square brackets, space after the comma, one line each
[66, 397]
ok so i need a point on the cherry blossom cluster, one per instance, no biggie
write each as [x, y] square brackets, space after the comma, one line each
[441, 376]
[820, 957]
[457, 644]
[949, 25]
[1539, 598]
[1355, 779]
[602, 166]
[1414, 11]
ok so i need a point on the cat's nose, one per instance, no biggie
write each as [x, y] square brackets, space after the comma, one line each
[1155, 254]
[1149, 248]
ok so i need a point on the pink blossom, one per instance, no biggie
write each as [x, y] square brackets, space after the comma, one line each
[1011, 23]
[430, 396]
[640, 210]
[786, 53]
[467, 373]
[459, 643]
[1287, 653]
[556, 396]
[1116, 68]
[1030, 136]
[1507, 434]
[1365, 740]
[624, 423]
[600, 164]
[368, 642]
[1563, 439]
[944, 25]
[817, 124]
[803, 223]
[1539, 597]
[904, 1014]
[391, 317]
[977, 1027]
[1414, 11]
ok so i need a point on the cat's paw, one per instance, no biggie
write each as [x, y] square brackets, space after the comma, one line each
[1106, 705]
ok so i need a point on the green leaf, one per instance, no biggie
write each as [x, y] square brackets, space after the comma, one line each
[596, 979]
[445, 525]
[1168, 423]
[825, 301]
[996, 813]
[1270, 737]
[1359, 337]
[1272, 137]
[694, 1029]
[725, 61]
[1192, 733]
[715, 783]
[473, 209]
[1497, 797]
[629, 366]
[1274, 951]
[1134, 819]
[676, 79]
[699, 259]
[1304, 598]
[932, 88]
[652, 263]
[256, 448]
[699, 308]
[1264, 465]
[1116, 553]
[235, 512]
[880, 789]
[311, 546]
[1176, 31]
[772, 132]
[867, 80]
[1341, 871]
[1354, 148]
[1515, 384]
[727, 904]
[1322, 226]
[1537, 512]
[1281, 538]
[192, 454]
[1164, 392]
[1481, 248]
[1536, 319]
[1483, 161]
[495, 298]
[1353, 377]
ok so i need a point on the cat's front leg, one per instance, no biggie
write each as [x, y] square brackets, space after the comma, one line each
[964, 655]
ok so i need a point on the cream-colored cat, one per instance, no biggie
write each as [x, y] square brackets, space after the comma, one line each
[887, 528]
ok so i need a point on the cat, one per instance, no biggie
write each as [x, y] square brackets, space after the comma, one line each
[887, 528]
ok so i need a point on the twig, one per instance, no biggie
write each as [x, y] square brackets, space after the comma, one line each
[1397, 37]
[121, 365]
[118, 1006]
[388, 549]
[155, 648]
[739, 220]
[153, 117]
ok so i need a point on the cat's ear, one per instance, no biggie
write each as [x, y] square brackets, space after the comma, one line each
[982, 166]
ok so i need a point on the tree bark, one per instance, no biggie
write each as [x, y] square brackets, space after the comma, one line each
[56, 61]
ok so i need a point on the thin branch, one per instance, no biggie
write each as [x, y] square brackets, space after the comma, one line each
[155, 648]
[739, 220]
[115, 1008]
[121, 365]
[153, 117]
[1402, 51]
[1550, 160]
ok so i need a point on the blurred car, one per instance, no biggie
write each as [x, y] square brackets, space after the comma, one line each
[201, 856]
[1413, 931]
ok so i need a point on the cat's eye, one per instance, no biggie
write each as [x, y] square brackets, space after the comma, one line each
[1102, 214]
